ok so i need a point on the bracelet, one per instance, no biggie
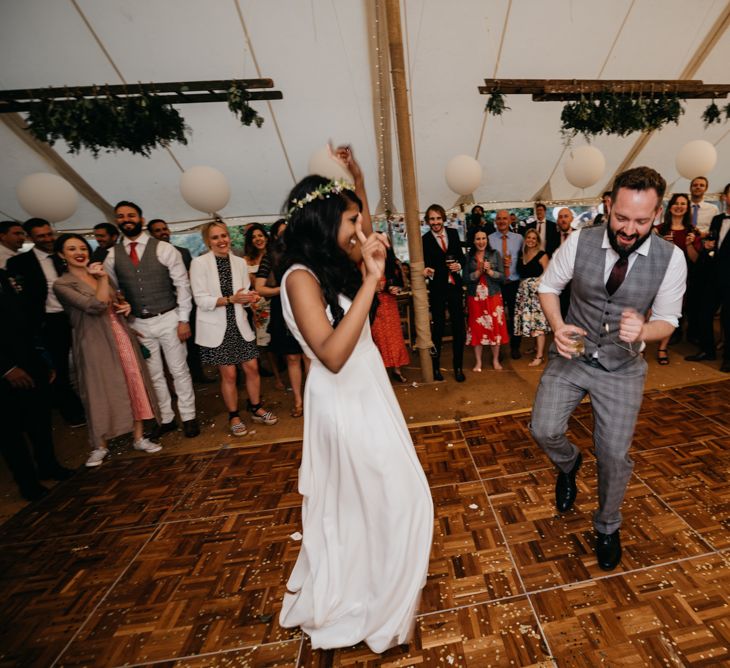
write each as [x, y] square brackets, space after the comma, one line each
[228, 299]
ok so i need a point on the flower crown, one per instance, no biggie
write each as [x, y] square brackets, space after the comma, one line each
[335, 186]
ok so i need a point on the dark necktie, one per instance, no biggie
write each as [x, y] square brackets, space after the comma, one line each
[618, 273]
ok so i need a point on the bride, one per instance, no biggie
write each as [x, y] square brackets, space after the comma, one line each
[367, 512]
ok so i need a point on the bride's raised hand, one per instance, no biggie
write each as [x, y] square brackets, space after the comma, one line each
[374, 249]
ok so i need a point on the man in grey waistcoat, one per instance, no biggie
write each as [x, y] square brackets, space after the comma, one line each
[619, 271]
[153, 279]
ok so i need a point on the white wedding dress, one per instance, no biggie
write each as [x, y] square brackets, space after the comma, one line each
[367, 511]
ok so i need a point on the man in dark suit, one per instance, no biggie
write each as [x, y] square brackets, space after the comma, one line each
[443, 259]
[106, 236]
[548, 231]
[159, 230]
[714, 264]
[35, 272]
[25, 407]
[603, 217]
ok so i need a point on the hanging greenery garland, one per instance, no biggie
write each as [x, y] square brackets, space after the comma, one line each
[495, 103]
[619, 114]
[714, 114]
[137, 123]
[238, 104]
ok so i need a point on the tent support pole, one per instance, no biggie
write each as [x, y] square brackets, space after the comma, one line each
[410, 194]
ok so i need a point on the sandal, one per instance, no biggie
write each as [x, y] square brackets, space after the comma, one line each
[536, 362]
[297, 411]
[261, 415]
[238, 429]
[662, 356]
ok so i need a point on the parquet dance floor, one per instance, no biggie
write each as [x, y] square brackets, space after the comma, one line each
[182, 560]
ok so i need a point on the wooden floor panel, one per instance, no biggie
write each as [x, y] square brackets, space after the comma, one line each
[49, 588]
[551, 549]
[491, 634]
[694, 480]
[197, 587]
[124, 493]
[675, 615]
[182, 559]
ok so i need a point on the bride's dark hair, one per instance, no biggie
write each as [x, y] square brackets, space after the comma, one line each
[311, 239]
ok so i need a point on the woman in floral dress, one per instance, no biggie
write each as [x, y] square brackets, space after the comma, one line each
[486, 322]
[529, 318]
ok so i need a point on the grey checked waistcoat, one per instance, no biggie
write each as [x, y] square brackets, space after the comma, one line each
[591, 307]
[147, 287]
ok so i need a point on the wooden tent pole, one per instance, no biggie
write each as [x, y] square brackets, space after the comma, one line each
[410, 194]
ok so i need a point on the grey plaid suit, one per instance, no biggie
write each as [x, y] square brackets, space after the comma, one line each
[609, 372]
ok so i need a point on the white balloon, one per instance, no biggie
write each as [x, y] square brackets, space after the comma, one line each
[463, 174]
[584, 167]
[47, 196]
[321, 163]
[205, 188]
[696, 158]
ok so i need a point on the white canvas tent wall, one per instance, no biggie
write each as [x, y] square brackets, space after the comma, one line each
[319, 55]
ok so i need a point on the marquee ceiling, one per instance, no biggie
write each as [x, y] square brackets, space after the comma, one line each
[320, 54]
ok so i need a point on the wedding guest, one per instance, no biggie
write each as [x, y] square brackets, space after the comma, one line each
[487, 320]
[25, 404]
[159, 230]
[152, 276]
[508, 244]
[386, 326]
[255, 245]
[443, 259]
[113, 379]
[35, 271]
[529, 319]
[282, 340]
[106, 236]
[221, 288]
[12, 238]
[677, 227]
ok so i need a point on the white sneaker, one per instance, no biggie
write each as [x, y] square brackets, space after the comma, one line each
[96, 457]
[145, 445]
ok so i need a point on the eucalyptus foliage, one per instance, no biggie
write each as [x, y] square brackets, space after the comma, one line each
[238, 104]
[495, 104]
[137, 123]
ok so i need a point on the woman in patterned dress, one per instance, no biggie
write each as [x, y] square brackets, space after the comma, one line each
[486, 321]
[529, 318]
[220, 283]
[255, 248]
[114, 384]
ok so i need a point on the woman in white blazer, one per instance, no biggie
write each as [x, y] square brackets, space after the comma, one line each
[220, 284]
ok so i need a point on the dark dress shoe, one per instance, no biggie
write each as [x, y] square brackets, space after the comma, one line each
[191, 428]
[160, 430]
[565, 488]
[33, 492]
[516, 354]
[437, 375]
[56, 473]
[701, 357]
[725, 366]
[608, 549]
[459, 375]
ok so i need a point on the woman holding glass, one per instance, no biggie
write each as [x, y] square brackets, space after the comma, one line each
[220, 283]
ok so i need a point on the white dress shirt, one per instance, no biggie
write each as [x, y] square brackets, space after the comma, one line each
[168, 256]
[667, 304]
[5, 254]
[49, 271]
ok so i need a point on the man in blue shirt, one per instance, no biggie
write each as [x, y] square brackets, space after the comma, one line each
[508, 245]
